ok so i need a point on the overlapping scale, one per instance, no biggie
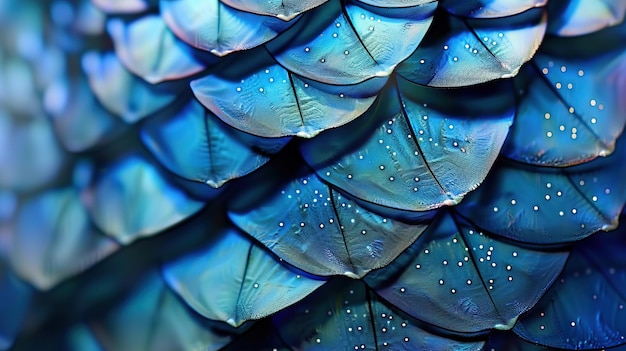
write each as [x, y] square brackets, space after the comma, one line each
[122, 93]
[317, 229]
[546, 205]
[19, 91]
[346, 315]
[460, 52]
[235, 280]
[220, 29]
[574, 99]
[151, 317]
[150, 50]
[195, 144]
[489, 8]
[579, 17]
[285, 10]
[30, 155]
[326, 224]
[419, 148]
[60, 243]
[460, 279]
[354, 41]
[585, 308]
[261, 97]
[79, 120]
[90, 20]
[131, 199]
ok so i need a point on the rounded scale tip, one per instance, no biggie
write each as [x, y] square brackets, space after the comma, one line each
[611, 226]
[506, 326]
[231, 321]
[351, 275]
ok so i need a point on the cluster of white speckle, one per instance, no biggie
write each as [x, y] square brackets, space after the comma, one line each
[316, 209]
[365, 316]
[390, 327]
[557, 77]
[256, 79]
[485, 255]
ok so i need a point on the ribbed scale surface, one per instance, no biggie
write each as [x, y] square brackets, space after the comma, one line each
[184, 175]
[547, 205]
[458, 278]
[574, 96]
[314, 227]
[413, 151]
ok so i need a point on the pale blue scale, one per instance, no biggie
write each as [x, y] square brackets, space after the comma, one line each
[269, 101]
[373, 240]
[30, 154]
[149, 49]
[61, 243]
[285, 10]
[131, 199]
[24, 79]
[490, 8]
[347, 315]
[237, 99]
[580, 17]
[17, 75]
[322, 232]
[468, 52]
[576, 104]
[356, 42]
[79, 120]
[235, 280]
[196, 145]
[217, 28]
[379, 30]
[22, 40]
[457, 278]
[122, 93]
[410, 153]
[326, 106]
[152, 317]
[546, 205]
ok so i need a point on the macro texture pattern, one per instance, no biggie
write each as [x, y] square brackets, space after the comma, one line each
[312, 175]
